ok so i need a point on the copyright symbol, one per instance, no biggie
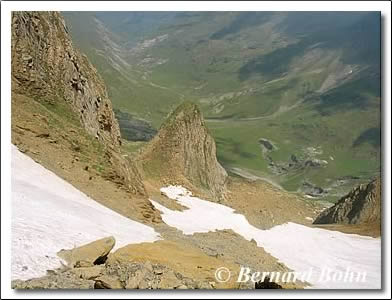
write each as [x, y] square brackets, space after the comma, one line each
[222, 274]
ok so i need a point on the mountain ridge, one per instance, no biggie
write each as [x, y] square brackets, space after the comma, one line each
[361, 206]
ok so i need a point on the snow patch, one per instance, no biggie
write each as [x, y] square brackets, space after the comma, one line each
[49, 214]
[299, 247]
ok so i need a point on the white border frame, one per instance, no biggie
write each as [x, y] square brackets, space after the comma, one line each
[7, 7]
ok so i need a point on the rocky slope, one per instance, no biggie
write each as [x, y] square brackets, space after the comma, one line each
[94, 266]
[158, 265]
[48, 69]
[361, 206]
[183, 152]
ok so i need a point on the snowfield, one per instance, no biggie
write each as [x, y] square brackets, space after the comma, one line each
[49, 214]
[303, 249]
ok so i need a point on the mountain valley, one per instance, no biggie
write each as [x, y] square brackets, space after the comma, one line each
[184, 142]
[255, 75]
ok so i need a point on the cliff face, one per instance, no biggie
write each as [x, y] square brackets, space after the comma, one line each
[361, 205]
[45, 64]
[47, 68]
[183, 150]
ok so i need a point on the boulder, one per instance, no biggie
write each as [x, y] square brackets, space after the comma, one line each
[64, 280]
[89, 273]
[93, 253]
[267, 284]
[138, 279]
[169, 280]
[107, 282]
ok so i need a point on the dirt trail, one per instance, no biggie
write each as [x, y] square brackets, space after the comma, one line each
[282, 109]
[249, 175]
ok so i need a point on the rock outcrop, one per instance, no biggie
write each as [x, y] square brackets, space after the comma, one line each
[361, 206]
[184, 152]
[88, 255]
[45, 64]
[47, 68]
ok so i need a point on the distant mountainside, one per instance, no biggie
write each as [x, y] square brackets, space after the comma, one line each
[205, 54]
[301, 80]
[361, 205]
